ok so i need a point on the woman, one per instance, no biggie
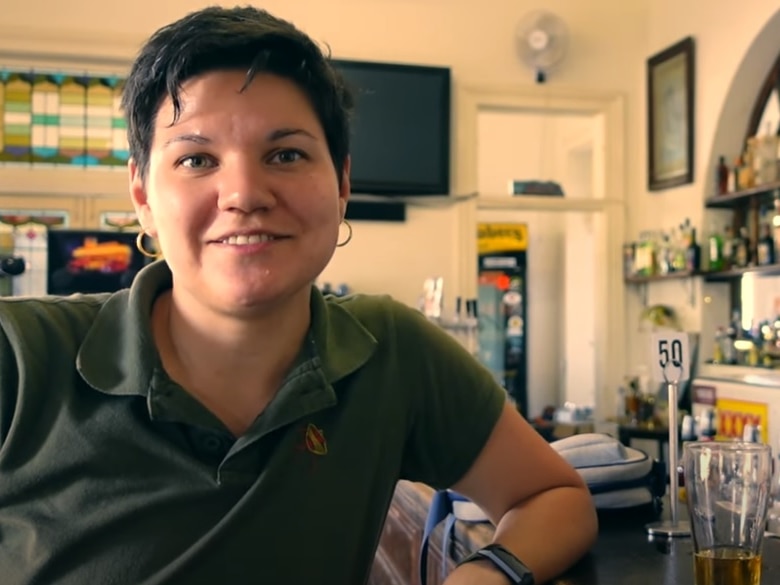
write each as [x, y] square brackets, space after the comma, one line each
[222, 420]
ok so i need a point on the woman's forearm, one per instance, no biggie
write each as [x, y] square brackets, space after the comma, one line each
[526, 530]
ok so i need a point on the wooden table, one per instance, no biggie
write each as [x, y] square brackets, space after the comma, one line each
[623, 554]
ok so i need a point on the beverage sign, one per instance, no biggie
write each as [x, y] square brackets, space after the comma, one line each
[669, 359]
[502, 238]
[733, 415]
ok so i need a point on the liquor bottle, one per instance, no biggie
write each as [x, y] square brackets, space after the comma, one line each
[715, 252]
[692, 253]
[717, 350]
[765, 249]
[768, 145]
[747, 178]
[665, 255]
[722, 176]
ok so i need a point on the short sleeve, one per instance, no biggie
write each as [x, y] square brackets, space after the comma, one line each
[455, 402]
[9, 383]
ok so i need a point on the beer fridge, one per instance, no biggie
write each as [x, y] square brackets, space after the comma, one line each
[502, 306]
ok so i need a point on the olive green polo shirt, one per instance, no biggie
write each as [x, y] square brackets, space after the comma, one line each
[111, 473]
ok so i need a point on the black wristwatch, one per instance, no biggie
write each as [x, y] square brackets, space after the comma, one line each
[505, 562]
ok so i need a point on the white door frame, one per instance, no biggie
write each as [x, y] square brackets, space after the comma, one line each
[468, 101]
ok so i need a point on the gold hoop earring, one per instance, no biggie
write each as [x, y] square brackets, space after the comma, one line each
[349, 235]
[139, 244]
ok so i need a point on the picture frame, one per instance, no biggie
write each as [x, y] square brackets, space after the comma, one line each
[670, 116]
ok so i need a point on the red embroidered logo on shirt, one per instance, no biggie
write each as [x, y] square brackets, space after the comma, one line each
[315, 440]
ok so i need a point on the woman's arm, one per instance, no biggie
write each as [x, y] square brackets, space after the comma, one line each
[527, 490]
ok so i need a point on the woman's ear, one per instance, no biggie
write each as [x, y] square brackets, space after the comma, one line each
[139, 197]
[345, 186]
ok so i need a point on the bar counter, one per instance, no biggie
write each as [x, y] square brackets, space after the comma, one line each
[623, 555]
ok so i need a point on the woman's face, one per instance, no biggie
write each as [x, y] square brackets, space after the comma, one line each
[241, 193]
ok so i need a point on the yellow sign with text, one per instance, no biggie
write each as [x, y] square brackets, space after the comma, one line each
[733, 415]
[493, 238]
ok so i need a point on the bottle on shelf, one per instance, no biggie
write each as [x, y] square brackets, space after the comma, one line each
[715, 251]
[722, 176]
[765, 247]
[718, 356]
[737, 174]
[692, 252]
[746, 178]
[733, 333]
[645, 256]
[664, 256]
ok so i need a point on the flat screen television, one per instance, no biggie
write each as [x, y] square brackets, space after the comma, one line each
[400, 128]
[91, 261]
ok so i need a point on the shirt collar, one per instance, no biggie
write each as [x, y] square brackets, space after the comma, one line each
[118, 355]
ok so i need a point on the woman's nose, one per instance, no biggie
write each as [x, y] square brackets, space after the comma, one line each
[245, 187]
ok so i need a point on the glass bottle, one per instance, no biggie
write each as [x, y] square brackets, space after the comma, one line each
[715, 251]
[692, 253]
[765, 249]
[722, 176]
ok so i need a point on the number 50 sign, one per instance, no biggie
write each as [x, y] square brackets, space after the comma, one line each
[669, 357]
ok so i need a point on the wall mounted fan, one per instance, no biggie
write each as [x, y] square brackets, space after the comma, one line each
[542, 39]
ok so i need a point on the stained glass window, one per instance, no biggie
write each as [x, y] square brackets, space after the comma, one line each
[61, 118]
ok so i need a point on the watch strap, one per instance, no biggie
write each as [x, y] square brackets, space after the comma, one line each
[506, 562]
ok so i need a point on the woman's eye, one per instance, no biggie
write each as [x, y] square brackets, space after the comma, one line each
[287, 156]
[196, 161]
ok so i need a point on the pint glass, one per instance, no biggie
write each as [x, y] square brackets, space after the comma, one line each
[728, 485]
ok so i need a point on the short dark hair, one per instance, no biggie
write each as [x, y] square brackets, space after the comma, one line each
[217, 38]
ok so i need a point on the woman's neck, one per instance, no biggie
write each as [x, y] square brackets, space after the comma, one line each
[229, 363]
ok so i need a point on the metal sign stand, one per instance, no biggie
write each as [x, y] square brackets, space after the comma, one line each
[674, 526]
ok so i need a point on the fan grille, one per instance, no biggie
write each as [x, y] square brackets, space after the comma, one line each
[542, 40]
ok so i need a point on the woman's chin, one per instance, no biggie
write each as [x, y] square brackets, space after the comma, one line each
[247, 300]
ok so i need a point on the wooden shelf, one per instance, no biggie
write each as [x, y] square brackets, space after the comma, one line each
[740, 198]
[729, 275]
[659, 277]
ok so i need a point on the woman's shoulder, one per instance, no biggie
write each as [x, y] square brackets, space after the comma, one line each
[378, 310]
[49, 319]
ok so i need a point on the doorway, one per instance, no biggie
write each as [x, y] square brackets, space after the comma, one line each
[565, 273]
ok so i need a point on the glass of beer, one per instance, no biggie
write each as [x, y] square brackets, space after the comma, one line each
[727, 485]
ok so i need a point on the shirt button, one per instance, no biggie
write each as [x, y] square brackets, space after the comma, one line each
[210, 443]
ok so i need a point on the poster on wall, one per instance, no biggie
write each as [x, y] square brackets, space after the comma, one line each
[733, 415]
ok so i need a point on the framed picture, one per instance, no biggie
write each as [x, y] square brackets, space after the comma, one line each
[670, 113]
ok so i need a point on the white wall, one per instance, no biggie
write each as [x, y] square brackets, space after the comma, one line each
[477, 41]
[736, 46]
